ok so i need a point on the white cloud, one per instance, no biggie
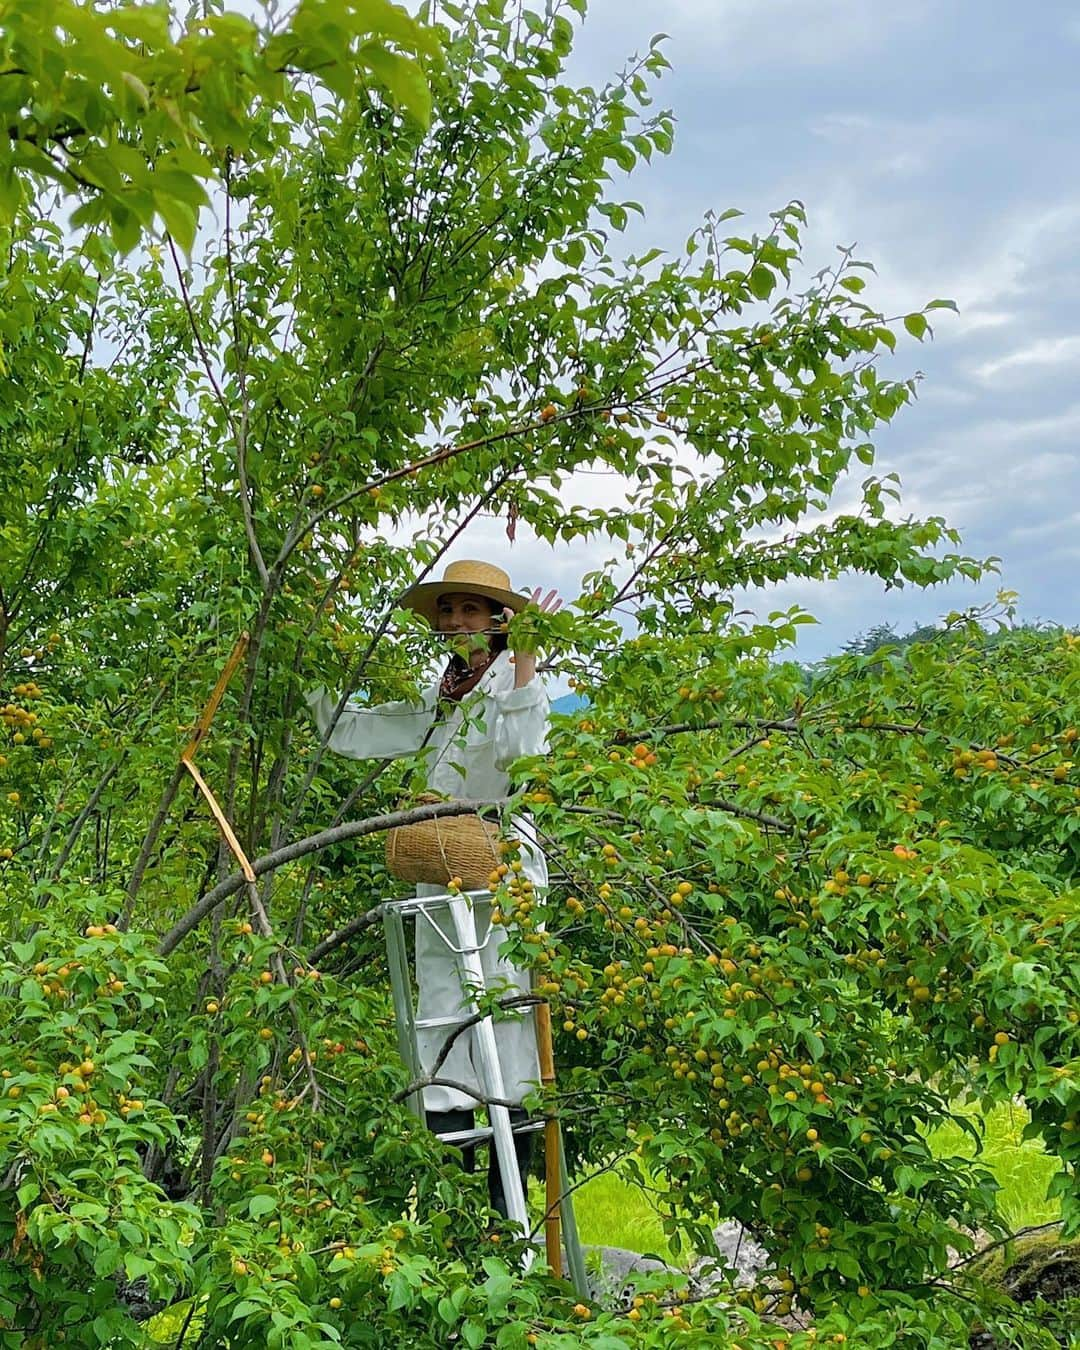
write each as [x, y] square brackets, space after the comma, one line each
[1039, 530]
[792, 33]
[1043, 353]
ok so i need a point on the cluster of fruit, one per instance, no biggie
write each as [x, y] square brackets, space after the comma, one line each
[75, 1093]
[21, 722]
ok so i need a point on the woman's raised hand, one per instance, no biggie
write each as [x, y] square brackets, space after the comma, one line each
[550, 603]
[525, 662]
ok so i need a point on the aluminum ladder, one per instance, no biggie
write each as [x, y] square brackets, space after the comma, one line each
[465, 946]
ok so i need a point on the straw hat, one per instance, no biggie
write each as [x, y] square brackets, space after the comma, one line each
[463, 578]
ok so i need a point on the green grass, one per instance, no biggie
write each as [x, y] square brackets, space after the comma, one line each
[614, 1213]
[1022, 1168]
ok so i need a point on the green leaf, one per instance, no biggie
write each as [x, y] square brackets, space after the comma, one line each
[916, 325]
[180, 219]
[10, 193]
[761, 281]
[473, 1333]
[29, 1190]
[403, 79]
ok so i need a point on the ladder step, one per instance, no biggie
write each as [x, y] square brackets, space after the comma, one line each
[420, 1023]
[483, 1132]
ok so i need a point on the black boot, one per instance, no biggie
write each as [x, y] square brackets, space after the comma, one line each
[449, 1122]
[523, 1150]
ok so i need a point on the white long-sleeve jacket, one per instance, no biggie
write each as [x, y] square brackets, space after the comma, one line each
[471, 746]
[468, 752]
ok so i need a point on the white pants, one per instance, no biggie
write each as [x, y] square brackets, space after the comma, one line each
[441, 993]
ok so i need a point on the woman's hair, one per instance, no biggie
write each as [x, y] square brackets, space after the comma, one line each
[497, 641]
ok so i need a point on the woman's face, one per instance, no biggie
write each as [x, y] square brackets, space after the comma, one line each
[465, 614]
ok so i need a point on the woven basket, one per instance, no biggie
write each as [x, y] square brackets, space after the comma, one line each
[438, 851]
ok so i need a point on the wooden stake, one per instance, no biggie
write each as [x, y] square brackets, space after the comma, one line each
[553, 1196]
[222, 821]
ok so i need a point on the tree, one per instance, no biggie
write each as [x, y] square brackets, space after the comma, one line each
[767, 944]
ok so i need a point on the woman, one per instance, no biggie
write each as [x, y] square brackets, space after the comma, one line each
[487, 710]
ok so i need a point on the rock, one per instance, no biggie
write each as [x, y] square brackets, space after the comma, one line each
[1041, 1273]
[739, 1259]
[611, 1271]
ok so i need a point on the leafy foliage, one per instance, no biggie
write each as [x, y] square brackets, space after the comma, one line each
[793, 925]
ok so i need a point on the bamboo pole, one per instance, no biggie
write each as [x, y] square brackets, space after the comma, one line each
[202, 726]
[187, 758]
[552, 1236]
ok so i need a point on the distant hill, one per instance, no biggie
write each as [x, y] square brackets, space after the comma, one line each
[568, 703]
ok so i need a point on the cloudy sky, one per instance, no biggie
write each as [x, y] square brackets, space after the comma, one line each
[943, 136]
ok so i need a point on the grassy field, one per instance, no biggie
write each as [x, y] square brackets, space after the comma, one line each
[615, 1213]
[1021, 1168]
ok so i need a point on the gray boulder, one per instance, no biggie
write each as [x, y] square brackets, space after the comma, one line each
[738, 1259]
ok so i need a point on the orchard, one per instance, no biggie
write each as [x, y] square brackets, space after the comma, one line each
[287, 305]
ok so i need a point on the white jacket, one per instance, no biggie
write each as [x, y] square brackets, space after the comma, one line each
[472, 746]
[467, 754]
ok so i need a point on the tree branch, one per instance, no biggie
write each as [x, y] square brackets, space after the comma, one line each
[353, 829]
[431, 1078]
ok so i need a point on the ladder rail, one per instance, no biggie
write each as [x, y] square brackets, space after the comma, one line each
[464, 920]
